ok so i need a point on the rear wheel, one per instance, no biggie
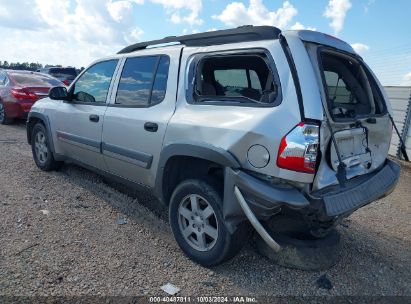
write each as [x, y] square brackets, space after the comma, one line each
[197, 223]
[4, 120]
[42, 153]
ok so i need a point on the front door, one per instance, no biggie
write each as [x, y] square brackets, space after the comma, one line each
[79, 121]
[135, 122]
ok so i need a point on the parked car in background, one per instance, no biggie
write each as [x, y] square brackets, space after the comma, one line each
[229, 128]
[65, 75]
[19, 90]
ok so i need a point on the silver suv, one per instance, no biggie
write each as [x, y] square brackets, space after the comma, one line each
[228, 128]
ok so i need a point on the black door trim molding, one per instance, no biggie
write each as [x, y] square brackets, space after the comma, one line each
[138, 158]
[80, 141]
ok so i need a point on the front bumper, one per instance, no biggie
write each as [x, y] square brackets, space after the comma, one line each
[265, 199]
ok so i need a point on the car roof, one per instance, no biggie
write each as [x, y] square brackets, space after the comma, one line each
[320, 38]
[246, 33]
[57, 67]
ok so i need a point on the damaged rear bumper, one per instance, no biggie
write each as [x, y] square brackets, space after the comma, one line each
[337, 201]
[265, 199]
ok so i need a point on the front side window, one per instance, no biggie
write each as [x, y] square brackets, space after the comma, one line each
[241, 79]
[143, 81]
[94, 84]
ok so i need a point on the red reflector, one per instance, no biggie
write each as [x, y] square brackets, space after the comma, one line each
[299, 148]
[66, 82]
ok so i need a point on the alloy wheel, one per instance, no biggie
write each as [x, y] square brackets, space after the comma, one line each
[198, 222]
[40, 147]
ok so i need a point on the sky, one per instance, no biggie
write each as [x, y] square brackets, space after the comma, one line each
[77, 32]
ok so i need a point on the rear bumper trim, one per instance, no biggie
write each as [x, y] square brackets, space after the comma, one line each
[360, 193]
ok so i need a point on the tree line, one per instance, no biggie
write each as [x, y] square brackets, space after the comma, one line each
[33, 66]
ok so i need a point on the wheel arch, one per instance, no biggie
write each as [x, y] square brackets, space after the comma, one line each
[34, 118]
[206, 159]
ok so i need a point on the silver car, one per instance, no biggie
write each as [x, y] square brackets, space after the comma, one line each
[228, 128]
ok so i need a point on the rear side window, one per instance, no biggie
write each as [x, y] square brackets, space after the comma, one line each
[35, 80]
[160, 82]
[238, 79]
[143, 81]
[235, 79]
[93, 84]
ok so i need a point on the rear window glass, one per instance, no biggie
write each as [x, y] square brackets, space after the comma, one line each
[351, 90]
[338, 89]
[63, 72]
[36, 80]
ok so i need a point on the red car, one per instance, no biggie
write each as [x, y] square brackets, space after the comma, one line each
[19, 90]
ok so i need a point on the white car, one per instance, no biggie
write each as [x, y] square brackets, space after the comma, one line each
[227, 128]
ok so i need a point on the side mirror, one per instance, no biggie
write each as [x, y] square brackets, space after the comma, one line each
[58, 93]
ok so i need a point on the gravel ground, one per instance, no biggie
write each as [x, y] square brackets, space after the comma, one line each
[79, 248]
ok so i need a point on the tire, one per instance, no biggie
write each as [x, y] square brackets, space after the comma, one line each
[300, 250]
[41, 149]
[4, 120]
[202, 234]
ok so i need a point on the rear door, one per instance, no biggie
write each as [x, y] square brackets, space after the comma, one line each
[339, 90]
[137, 117]
[79, 122]
[356, 109]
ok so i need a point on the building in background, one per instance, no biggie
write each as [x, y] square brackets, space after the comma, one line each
[400, 98]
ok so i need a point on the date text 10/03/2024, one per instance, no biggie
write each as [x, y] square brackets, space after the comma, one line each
[235, 299]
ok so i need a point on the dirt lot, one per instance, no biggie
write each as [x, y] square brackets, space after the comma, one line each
[79, 248]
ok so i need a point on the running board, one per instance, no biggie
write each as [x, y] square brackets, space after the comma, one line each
[255, 222]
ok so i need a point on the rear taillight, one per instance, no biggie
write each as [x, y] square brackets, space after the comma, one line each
[299, 149]
[66, 82]
[23, 94]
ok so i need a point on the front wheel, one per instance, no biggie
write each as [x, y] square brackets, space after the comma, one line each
[41, 149]
[197, 223]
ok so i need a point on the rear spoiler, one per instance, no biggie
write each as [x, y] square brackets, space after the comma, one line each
[321, 38]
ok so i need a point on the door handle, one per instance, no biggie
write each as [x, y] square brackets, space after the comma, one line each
[371, 120]
[151, 127]
[94, 118]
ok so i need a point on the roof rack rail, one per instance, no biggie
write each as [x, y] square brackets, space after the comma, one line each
[239, 34]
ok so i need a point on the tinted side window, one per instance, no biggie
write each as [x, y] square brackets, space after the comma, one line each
[136, 81]
[232, 78]
[160, 83]
[93, 85]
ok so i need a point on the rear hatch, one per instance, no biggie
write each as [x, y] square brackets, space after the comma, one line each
[355, 111]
